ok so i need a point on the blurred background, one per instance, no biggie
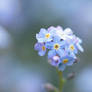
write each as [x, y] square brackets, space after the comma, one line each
[21, 69]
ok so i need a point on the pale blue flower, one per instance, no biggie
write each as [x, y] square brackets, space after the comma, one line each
[66, 60]
[73, 45]
[40, 47]
[56, 47]
[44, 35]
[54, 60]
[71, 48]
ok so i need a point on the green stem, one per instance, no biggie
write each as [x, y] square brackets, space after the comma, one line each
[56, 90]
[61, 80]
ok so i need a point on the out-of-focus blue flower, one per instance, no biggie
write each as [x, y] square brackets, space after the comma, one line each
[66, 60]
[40, 47]
[44, 35]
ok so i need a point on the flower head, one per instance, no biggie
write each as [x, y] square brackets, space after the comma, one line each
[62, 46]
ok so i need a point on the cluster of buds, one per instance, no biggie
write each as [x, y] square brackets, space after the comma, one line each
[62, 46]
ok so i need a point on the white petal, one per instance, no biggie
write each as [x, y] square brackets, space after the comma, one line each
[59, 28]
[80, 47]
[68, 31]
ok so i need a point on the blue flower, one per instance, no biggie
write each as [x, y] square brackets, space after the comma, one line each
[73, 45]
[54, 60]
[64, 34]
[66, 60]
[62, 46]
[71, 48]
[40, 47]
[56, 47]
[44, 35]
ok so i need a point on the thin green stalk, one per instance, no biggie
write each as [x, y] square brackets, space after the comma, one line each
[56, 90]
[61, 81]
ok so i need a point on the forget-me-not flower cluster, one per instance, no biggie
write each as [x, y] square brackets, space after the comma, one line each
[62, 46]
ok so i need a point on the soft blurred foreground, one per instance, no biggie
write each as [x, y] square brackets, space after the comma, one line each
[21, 69]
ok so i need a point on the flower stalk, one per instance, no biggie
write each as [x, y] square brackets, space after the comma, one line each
[61, 80]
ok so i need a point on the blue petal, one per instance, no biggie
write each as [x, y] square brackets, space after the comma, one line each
[80, 47]
[75, 50]
[61, 43]
[49, 45]
[37, 46]
[79, 40]
[56, 39]
[51, 53]
[52, 32]
[40, 37]
[62, 67]
[41, 40]
[53, 63]
[73, 55]
[71, 60]
[70, 63]
[48, 40]
[60, 52]
[42, 32]
[41, 53]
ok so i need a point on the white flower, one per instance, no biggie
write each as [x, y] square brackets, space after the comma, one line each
[65, 34]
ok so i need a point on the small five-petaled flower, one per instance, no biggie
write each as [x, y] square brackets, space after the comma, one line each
[62, 46]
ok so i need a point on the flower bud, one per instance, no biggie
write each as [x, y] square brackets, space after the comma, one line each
[49, 87]
[71, 76]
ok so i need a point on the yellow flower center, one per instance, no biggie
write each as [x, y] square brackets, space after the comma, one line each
[47, 35]
[65, 61]
[43, 48]
[72, 47]
[56, 46]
